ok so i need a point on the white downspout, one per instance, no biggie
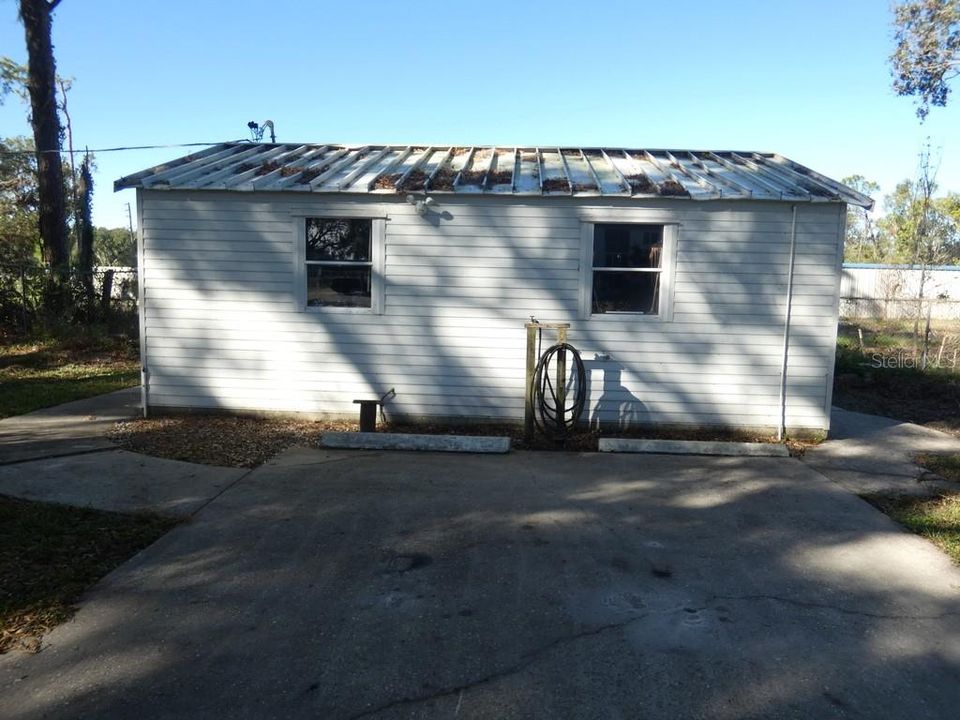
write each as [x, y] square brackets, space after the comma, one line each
[782, 425]
[142, 310]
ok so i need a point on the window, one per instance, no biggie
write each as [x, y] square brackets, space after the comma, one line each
[626, 269]
[338, 263]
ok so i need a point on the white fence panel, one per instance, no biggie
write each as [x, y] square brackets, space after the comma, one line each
[893, 291]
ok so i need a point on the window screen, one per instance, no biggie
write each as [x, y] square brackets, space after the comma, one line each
[627, 265]
[339, 261]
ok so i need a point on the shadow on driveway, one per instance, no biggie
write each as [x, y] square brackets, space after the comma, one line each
[533, 585]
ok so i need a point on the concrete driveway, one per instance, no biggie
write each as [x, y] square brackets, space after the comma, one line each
[62, 454]
[64, 430]
[534, 585]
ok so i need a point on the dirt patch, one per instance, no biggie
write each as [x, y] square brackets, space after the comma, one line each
[290, 170]
[219, 440]
[245, 442]
[584, 187]
[929, 401]
[501, 177]
[879, 371]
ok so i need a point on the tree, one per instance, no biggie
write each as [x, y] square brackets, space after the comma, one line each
[864, 242]
[925, 233]
[13, 79]
[41, 84]
[927, 53]
[115, 246]
[19, 203]
[85, 228]
[921, 230]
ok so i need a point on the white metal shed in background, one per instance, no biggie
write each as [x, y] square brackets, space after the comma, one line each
[296, 278]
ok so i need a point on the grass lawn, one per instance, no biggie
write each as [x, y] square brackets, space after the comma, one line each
[39, 374]
[936, 519]
[49, 554]
[878, 372]
[881, 376]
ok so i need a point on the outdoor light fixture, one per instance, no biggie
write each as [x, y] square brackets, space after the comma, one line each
[422, 205]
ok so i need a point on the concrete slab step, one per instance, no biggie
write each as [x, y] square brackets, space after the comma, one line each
[403, 441]
[692, 447]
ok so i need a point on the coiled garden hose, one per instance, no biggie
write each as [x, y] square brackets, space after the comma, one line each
[557, 410]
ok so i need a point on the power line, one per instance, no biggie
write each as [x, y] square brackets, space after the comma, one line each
[127, 147]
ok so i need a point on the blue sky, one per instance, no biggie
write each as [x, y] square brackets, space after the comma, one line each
[806, 79]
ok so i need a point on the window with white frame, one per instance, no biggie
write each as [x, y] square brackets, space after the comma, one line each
[339, 263]
[627, 269]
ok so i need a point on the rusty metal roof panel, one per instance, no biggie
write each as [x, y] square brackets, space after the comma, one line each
[528, 171]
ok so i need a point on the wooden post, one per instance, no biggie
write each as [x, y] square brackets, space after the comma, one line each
[561, 374]
[531, 368]
[106, 292]
[532, 329]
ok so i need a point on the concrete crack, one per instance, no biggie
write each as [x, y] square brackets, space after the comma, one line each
[54, 455]
[225, 488]
[834, 608]
[329, 461]
[522, 664]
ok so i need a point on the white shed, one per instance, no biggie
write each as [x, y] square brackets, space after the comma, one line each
[297, 278]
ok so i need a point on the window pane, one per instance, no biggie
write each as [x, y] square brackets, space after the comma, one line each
[637, 292]
[633, 246]
[338, 286]
[339, 240]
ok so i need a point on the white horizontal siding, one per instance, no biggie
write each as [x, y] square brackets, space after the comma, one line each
[222, 330]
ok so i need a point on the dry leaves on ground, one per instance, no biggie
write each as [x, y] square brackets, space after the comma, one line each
[248, 442]
[214, 440]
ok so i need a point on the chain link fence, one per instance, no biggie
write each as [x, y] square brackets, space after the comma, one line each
[107, 296]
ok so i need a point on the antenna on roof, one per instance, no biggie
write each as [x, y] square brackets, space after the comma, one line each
[257, 130]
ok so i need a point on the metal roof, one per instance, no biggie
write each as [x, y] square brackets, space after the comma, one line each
[524, 171]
